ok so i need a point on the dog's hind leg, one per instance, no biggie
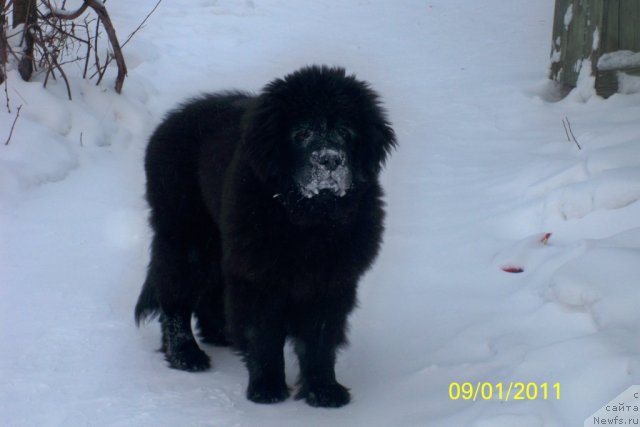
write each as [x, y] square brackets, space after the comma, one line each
[174, 273]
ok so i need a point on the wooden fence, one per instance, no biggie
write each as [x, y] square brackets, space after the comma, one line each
[598, 37]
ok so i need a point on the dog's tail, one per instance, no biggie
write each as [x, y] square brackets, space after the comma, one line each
[147, 306]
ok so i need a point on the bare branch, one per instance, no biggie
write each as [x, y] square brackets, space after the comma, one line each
[566, 132]
[13, 125]
[53, 63]
[95, 52]
[63, 14]
[142, 23]
[6, 95]
[570, 132]
[88, 54]
[101, 11]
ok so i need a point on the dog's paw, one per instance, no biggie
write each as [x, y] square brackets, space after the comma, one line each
[188, 357]
[267, 392]
[325, 395]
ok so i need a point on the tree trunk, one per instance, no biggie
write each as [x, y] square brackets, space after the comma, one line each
[25, 12]
[3, 42]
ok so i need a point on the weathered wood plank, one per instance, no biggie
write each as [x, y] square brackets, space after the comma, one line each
[629, 25]
[558, 42]
[611, 26]
[606, 83]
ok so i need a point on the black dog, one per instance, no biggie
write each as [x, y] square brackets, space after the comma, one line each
[266, 211]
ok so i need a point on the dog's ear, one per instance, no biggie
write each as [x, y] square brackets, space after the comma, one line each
[384, 139]
[264, 139]
[379, 137]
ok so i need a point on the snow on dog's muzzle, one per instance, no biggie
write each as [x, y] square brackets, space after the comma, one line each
[327, 170]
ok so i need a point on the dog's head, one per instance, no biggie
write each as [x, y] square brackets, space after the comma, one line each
[317, 137]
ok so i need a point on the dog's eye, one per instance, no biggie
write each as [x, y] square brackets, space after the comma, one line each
[302, 135]
[344, 133]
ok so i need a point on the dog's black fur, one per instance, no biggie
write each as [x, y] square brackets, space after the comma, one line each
[266, 211]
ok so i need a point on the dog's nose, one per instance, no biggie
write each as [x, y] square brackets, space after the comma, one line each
[331, 159]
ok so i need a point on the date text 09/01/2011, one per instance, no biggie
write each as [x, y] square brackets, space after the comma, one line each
[514, 390]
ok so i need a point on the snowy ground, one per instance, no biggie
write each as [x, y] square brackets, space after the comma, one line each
[484, 169]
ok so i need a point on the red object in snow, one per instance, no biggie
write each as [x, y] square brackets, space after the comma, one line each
[545, 238]
[512, 269]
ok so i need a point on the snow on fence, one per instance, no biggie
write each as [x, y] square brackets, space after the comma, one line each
[599, 38]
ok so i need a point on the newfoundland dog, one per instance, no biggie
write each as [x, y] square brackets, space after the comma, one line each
[265, 211]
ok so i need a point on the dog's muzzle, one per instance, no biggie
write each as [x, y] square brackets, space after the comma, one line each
[327, 170]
